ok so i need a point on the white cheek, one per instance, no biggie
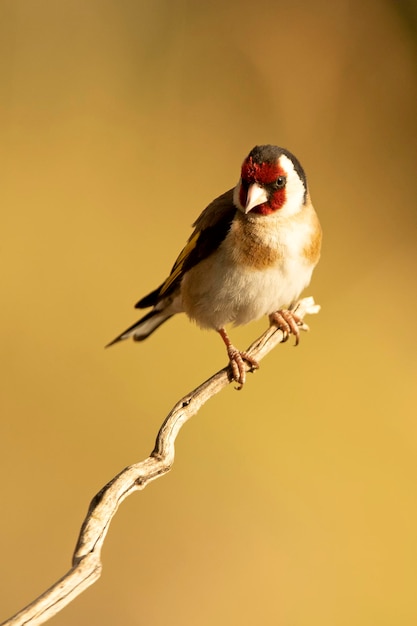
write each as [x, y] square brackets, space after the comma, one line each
[295, 190]
[236, 194]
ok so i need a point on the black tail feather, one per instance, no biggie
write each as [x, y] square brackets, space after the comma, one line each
[150, 300]
[125, 334]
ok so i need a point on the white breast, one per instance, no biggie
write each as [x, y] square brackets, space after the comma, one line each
[219, 291]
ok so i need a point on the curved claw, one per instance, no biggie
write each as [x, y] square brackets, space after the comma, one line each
[288, 322]
[237, 360]
[237, 363]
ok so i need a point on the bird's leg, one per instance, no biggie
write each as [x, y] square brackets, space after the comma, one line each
[237, 360]
[287, 321]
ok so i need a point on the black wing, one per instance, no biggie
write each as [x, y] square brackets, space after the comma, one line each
[210, 230]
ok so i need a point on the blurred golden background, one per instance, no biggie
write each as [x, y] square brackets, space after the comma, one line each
[294, 501]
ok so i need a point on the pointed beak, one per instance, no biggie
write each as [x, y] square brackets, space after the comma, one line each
[256, 195]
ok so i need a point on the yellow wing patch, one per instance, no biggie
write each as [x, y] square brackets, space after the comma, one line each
[179, 263]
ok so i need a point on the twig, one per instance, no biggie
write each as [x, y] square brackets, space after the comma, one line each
[86, 564]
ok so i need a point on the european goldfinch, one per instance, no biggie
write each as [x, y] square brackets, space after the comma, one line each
[252, 252]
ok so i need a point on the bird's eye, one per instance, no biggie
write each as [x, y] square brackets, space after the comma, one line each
[280, 182]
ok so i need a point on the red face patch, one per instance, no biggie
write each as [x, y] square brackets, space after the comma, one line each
[262, 173]
[275, 202]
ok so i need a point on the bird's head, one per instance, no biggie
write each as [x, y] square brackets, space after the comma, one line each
[271, 180]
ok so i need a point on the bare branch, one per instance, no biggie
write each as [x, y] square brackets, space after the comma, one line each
[86, 565]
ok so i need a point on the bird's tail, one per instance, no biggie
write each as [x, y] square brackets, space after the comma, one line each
[144, 327]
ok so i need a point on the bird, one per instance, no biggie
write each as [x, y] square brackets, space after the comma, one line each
[251, 254]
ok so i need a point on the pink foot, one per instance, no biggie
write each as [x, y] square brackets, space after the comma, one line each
[237, 360]
[288, 322]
